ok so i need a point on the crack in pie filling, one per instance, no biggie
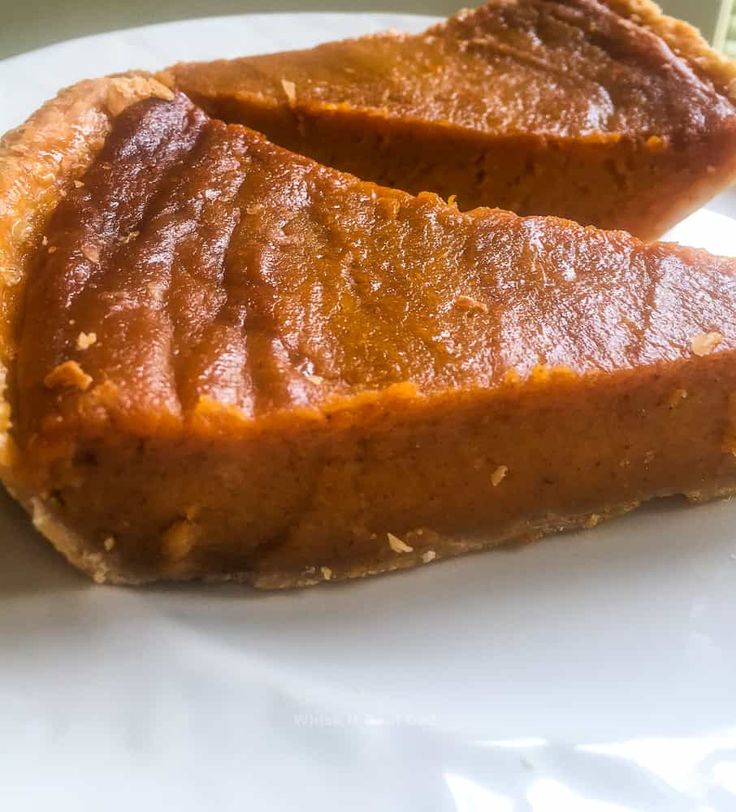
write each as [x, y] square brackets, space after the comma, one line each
[225, 360]
[606, 112]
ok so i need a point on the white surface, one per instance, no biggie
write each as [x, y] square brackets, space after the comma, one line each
[591, 672]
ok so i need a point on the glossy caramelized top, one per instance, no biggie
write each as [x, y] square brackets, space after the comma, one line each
[198, 263]
[555, 67]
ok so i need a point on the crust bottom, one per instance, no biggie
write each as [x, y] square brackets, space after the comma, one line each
[50, 523]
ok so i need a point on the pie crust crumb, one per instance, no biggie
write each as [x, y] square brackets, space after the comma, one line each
[68, 375]
[705, 343]
[469, 303]
[126, 90]
[289, 90]
[498, 475]
[397, 545]
[86, 340]
[92, 253]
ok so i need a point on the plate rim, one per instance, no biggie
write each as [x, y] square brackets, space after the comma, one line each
[220, 18]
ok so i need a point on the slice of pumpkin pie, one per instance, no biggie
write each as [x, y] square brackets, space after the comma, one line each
[224, 360]
[603, 111]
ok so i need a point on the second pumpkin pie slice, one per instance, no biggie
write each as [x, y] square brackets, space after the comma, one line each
[224, 360]
[603, 111]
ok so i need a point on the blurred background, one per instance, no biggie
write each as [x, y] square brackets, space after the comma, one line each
[28, 24]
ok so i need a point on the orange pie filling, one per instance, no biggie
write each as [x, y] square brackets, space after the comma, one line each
[606, 112]
[233, 362]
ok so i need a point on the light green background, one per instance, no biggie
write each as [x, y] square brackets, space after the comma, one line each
[26, 24]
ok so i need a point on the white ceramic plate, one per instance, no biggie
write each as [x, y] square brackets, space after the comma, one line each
[588, 672]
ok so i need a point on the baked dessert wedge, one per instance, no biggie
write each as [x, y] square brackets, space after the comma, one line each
[224, 360]
[603, 111]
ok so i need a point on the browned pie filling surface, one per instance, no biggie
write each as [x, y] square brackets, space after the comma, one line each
[208, 264]
[530, 66]
[602, 111]
[235, 360]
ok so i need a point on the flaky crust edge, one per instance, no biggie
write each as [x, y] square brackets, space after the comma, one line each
[685, 40]
[39, 161]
